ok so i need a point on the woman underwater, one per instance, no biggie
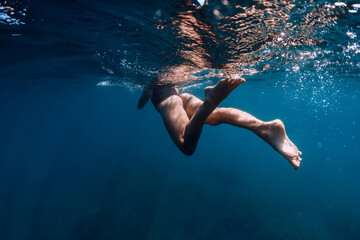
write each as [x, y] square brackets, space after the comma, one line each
[184, 115]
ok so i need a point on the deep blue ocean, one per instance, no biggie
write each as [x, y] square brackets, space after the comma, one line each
[78, 160]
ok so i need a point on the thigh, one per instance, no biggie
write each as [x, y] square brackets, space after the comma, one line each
[191, 103]
[175, 118]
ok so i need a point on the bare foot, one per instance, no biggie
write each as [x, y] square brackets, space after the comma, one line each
[274, 133]
[216, 94]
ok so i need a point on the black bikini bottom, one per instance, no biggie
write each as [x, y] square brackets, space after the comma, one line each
[162, 92]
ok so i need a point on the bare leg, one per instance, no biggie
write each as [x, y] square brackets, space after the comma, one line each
[272, 132]
[185, 131]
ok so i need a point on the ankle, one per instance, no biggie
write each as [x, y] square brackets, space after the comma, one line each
[262, 128]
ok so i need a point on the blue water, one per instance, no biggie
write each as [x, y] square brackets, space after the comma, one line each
[79, 161]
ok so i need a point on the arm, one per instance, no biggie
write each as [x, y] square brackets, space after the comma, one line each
[147, 93]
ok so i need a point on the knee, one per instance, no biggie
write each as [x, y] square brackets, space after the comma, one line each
[187, 151]
[213, 119]
[212, 122]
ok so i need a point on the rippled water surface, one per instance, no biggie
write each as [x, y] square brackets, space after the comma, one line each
[78, 161]
[134, 41]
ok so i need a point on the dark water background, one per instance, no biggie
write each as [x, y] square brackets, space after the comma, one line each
[79, 161]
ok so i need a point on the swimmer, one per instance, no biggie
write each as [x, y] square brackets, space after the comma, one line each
[184, 116]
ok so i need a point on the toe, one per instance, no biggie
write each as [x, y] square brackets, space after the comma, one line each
[296, 166]
[296, 163]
